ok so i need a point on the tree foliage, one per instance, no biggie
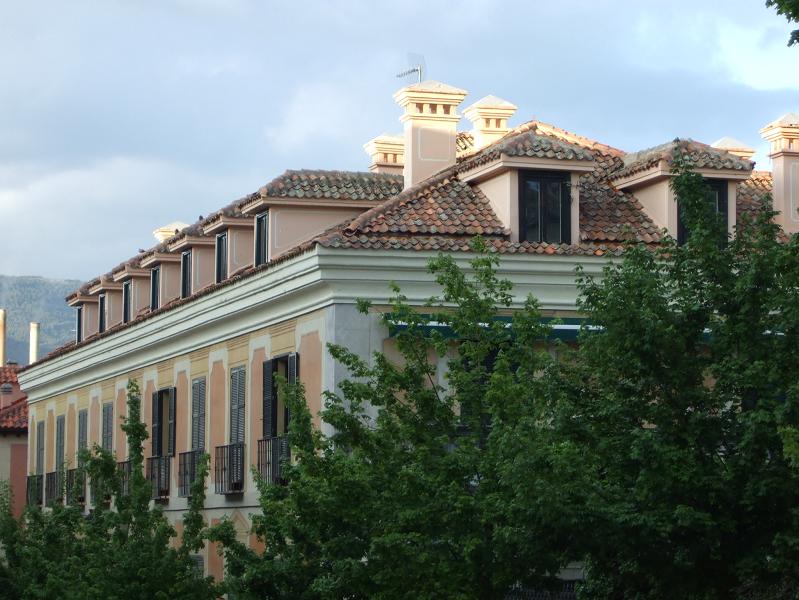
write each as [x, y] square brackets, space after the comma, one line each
[790, 10]
[125, 550]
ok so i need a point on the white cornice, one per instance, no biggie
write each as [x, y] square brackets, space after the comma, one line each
[318, 278]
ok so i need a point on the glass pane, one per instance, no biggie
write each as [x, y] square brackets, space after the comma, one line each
[531, 221]
[552, 191]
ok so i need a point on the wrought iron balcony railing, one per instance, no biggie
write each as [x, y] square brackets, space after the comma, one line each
[273, 454]
[53, 492]
[229, 468]
[187, 471]
[158, 474]
[34, 489]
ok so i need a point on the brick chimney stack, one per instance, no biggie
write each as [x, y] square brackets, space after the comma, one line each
[783, 134]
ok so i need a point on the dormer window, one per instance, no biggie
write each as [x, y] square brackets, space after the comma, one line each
[101, 313]
[185, 274]
[78, 324]
[221, 257]
[717, 197]
[155, 287]
[126, 301]
[544, 207]
[261, 238]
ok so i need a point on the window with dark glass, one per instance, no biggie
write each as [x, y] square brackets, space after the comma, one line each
[107, 437]
[717, 198]
[544, 207]
[275, 409]
[163, 428]
[126, 301]
[261, 239]
[155, 287]
[101, 313]
[79, 324]
[221, 257]
[185, 274]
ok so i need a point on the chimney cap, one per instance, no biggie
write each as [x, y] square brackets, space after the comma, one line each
[435, 86]
[492, 101]
[729, 143]
[786, 120]
[167, 231]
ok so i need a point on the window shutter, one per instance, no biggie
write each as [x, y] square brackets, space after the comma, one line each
[237, 405]
[293, 377]
[269, 404]
[565, 213]
[198, 414]
[40, 448]
[156, 427]
[171, 394]
[83, 429]
[108, 426]
[59, 442]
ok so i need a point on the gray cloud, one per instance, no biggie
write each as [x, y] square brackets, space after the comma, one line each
[118, 117]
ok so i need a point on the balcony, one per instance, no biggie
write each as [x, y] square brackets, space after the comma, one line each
[76, 487]
[34, 490]
[124, 467]
[273, 453]
[158, 475]
[52, 489]
[229, 469]
[187, 471]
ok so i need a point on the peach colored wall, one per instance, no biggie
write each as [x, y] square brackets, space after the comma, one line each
[113, 306]
[49, 448]
[32, 445]
[147, 415]
[657, 201]
[94, 422]
[202, 267]
[18, 477]
[311, 356]
[216, 407]
[170, 282]
[16, 394]
[502, 192]
[139, 295]
[90, 319]
[256, 402]
[71, 435]
[785, 174]
[241, 249]
[215, 565]
[289, 225]
[120, 438]
[182, 404]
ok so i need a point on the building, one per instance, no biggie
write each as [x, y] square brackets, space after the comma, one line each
[206, 317]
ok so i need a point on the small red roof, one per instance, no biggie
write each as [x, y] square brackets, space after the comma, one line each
[14, 417]
[8, 374]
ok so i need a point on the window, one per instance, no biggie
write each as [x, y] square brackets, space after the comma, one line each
[261, 239]
[40, 448]
[155, 287]
[221, 257]
[83, 429]
[275, 423]
[101, 313]
[6, 389]
[60, 424]
[108, 426]
[79, 325]
[237, 405]
[717, 197]
[185, 274]
[544, 207]
[163, 429]
[126, 301]
[198, 414]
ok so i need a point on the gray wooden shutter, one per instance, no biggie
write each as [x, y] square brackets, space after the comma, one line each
[40, 448]
[237, 405]
[198, 414]
[60, 424]
[293, 377]
[83, 429]
[269, 404]
[108, 426]
[171, 419]
[156, 427]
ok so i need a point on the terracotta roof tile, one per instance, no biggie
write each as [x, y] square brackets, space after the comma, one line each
[14, 417]
[8, 374]
[334, 185]
[752, 192]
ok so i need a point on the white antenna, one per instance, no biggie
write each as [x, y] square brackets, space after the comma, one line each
[416, 65]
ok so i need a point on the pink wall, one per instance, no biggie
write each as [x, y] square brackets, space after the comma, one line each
[290, 225]
[18, 476]
[241, 249]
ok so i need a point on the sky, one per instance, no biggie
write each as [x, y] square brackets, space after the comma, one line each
[118, 117]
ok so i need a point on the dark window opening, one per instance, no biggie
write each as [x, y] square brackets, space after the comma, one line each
[221, 257]
[261, 239]
[155, 287]
[40, 448]
[126, 301]
[275, 410]
[60, 425]
[717, 198]
[108, 427]
[544, 207]
[163, 423]
[79, 325]
[185, 274]
[101, 313]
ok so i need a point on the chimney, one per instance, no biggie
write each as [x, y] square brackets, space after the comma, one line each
[2, 337]
[489, 117]
[387, 153]
[167, 231]
[735, 147]
[430, 121]
[783, 134]
[33, 356]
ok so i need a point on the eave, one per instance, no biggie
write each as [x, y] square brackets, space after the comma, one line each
[264, 202]
[506, 163]
[662, 170]
[190, 241]
[156, 258]
[221, 223]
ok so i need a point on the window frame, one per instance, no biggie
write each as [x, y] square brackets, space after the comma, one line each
[101, 319]
[78, 324]
[722, 202]
[261, 238]
[126, 290]
[185, 273]
[155, 287]
[221, 257]
[164, 400]
[562, 177]
[107, 427]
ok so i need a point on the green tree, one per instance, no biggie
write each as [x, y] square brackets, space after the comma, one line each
[790, 10]
[429, 487]
[120, 552]
[680, 397]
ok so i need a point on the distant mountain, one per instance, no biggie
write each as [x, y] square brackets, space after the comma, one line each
[37, 299]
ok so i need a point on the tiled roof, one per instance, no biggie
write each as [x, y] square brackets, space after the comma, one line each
[334, 185]
[752, 192]
[701, 156]
[464, 142]
[14, 418]
[527, 141]
[8, 374]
